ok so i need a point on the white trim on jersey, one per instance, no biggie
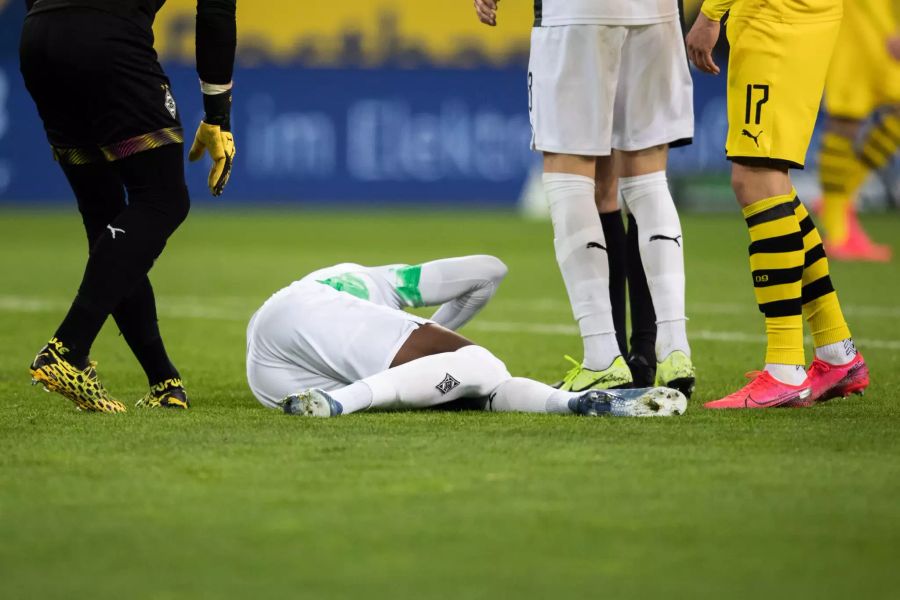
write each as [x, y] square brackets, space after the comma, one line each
[553, 13]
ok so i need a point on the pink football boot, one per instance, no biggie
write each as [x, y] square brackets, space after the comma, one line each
[832, 381]
[764, 391]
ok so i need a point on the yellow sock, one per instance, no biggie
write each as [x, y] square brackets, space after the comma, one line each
[776, 262]
[820, 302]
[881, 141]
[841, 174]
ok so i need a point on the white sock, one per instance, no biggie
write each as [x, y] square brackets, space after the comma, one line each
[355, 397]
[671, 336]
[789, 374]
[470, 372]
[647, 197]
[583, 262]
[838, 353]
[600, 350]
[526, 395]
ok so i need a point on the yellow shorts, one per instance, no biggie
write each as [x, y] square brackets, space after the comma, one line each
[862, 76]
[776, 74]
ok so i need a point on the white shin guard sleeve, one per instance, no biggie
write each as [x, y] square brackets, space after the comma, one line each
[470, 372]
[463, 286]
[647, 197]
[581, 255]
[526, 395]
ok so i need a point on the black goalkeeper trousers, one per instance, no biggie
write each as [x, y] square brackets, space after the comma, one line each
[129, 208]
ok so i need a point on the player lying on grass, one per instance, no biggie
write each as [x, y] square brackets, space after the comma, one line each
[338, 341]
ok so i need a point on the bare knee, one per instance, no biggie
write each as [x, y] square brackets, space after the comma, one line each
[753, 183]
[634, 163]
[570, 163]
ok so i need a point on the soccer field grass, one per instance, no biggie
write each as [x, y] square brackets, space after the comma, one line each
[232, 500]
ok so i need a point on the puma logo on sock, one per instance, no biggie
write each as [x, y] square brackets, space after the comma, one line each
[675, 239]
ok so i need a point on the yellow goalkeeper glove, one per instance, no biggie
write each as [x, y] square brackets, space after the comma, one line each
[214, 136]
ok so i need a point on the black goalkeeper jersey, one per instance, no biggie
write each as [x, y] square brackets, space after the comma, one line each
[216, 30]
[142, 12]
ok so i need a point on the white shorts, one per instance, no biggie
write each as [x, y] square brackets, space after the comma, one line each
[592, 88]
[310, 335]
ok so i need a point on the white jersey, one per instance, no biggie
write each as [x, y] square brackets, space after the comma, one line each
[344, 323]
[550, 13]
[375, 284]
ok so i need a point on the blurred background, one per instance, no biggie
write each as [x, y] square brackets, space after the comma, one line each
[375, 102]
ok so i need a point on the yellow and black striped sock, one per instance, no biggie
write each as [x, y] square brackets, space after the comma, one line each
[841, 174]
[881, 141]
[776, 261]
[820, 302]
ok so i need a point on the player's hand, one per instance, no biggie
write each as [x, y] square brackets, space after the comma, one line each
[220, 145]
[893, 46]
[214, 136]
[487, 11]
[700, 42]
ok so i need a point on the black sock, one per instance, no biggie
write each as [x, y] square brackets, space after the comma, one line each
[78, 331]
[137, 320]
[643, 317]
[614, 232]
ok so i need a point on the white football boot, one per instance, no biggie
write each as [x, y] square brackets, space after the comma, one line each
[311, 403]
[639, 402]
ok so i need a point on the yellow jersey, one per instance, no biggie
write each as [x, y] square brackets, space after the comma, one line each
[780, 11]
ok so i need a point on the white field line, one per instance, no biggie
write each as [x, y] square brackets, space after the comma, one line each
[167, 307]
[179, 308]
[734, 337]
[718, 308]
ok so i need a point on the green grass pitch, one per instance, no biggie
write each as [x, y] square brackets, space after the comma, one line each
[232, 500]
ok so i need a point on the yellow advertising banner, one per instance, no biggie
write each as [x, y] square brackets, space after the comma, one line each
[366, 33]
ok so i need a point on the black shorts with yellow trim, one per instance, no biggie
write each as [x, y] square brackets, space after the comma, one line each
[776, 76]
[98, 86]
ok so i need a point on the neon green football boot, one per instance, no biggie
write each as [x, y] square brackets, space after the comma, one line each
[676, 371]
[616, 375]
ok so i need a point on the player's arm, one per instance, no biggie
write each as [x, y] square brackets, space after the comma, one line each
[487, 11]
[893, 41]
[704, 34]
[215, 46]
[461, 286]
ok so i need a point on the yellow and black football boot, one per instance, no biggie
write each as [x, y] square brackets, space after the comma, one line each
[81, 386]
[166, 394]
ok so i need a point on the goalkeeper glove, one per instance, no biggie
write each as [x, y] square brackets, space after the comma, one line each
[214, 136]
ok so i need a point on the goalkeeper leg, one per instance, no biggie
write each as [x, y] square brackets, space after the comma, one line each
[101, 198]
[123, 253]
